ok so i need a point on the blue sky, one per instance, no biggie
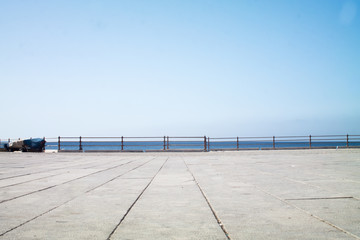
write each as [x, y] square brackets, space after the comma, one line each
[149, 68]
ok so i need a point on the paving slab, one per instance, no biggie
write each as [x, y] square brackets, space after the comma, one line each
[281, 194]
[92, 215]
[172, 207]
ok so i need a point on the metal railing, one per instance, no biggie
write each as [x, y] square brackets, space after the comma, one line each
[285, 142]
[166, 143]
[126, 143]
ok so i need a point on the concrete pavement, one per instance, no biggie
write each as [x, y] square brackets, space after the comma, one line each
[282, 194]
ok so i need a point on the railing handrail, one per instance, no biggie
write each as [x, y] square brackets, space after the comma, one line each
[240, 137]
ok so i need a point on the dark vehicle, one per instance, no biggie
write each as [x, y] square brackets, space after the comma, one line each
[34, 145]
[16, 145]
[4, 147]
[28, 145]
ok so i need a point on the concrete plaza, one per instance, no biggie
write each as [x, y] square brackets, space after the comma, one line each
[274, 194]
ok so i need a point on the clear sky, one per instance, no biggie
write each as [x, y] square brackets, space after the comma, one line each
[179, 67]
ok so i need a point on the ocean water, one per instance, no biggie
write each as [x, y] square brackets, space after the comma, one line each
[191, 145]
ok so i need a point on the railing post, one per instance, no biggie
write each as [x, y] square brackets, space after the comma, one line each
[208, 144]
[80, 146]
[122, 143]
[205, 143]
[309, 141]
[347, 140]
[59, 143]
[237, 143]
[164, 142]
[273, 142]
[167, 143]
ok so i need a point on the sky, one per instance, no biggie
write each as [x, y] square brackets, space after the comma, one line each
[179, 68]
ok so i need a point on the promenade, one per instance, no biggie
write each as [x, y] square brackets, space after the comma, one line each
[267, 194]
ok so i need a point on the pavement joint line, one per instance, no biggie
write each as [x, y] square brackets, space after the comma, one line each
[56, 185]
[137, 178]
[22, 175]
[27, 174]
[21, 224]
[31, 180]
[121, 175]
[302, 182]
[2, 234]
[133, 204]
[319, 198]
[58, 168]
[38, 178]
[209, 204]
[307, 212]
[336, 178]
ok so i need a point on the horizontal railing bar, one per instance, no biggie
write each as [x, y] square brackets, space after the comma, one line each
[320, 139]
[224, 144]
[293, 136]
[304, 136]
[254, 143]
[69, 138]
[102, 137]
[248, 140]
[312, 140]
[253, 137]
[121, 141]
[319, 136]
[232, 140]
[244, 138]
[225, 138]
[143, 145]
[328, 140]
[110, 145]
[282, 143]
[160, 142]
[107, 137]
[121, 146]
[145, 137]
[188, 137]
[178, 145]
[150, 145]
[292, 140]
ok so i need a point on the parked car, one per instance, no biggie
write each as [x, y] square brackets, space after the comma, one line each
[16, 145]
[34, 145]
[4, 147]
[28, 145]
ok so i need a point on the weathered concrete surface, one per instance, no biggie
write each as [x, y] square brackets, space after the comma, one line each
[292, 194]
